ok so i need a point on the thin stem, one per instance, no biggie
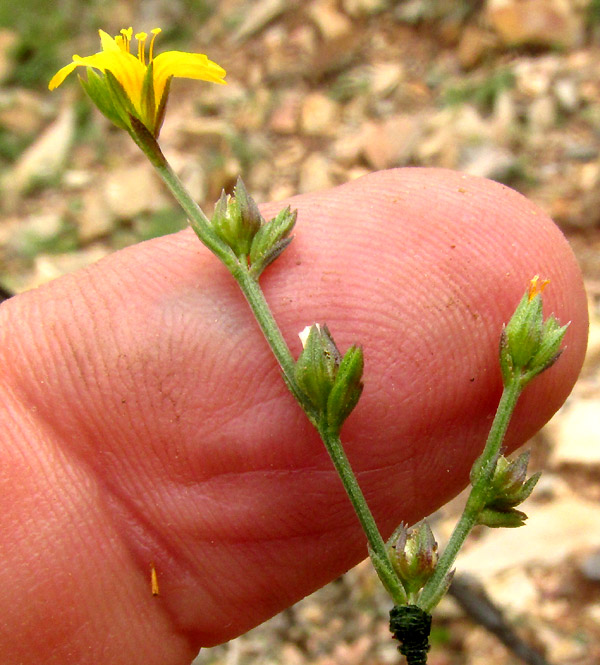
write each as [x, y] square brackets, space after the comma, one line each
[437, 583]
[250, 287]
[365, 517]
[198, 220]
[254, 295]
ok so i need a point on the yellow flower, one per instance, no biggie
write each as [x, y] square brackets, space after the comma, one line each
[130, 85]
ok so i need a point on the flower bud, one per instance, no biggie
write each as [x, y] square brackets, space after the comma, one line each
[510, 483]
[347, 387]
[271, 239]
[496, 519]
[236, 219]
[317, 366]
[413, 556]
[528, 344]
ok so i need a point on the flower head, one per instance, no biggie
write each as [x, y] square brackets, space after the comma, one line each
[136, 85]
[529, 344]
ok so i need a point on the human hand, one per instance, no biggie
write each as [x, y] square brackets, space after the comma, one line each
[145, 422]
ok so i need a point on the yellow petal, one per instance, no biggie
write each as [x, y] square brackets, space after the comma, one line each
[61, 75]
[107, 42]
[184, 65]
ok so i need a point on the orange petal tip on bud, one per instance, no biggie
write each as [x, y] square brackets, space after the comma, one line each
[535, 288]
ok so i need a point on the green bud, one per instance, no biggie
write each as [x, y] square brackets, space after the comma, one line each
[528, 344]
[109, 96]
[496, 519]
[480, 466]
[347, 387]
[413, 555]
[317, 366]
[236, 219]
[510, 485]
[271, 239]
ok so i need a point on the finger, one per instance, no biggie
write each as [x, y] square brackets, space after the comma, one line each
[150, 383]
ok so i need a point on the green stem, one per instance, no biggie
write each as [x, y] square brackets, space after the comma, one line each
[198, 220]
[250, 287]
[377, 546]
[437, 584]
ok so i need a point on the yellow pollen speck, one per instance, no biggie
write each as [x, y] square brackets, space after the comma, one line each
[154, 581]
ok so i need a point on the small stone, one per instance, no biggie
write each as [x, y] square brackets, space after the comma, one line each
[574, 432]
[385, 77]
[534, 76]
[94, 220]
[553, 532]
[592, 356]
[331, 23]
[488, 161]
[590, 566]
[564, 649]
[35, 231]
[281, 190]
[542, 114]
[347, 149]
[261, 176]
[319, 115]
[391, 142]
[77, 179]
[259, 15]
[474, 44]
[8, 41]
[413, 11]
[286, 115]
[23, 112]
[358, 8]
[50, 266]
[131, 190]
[44, 159]
[504, 115]
[315, 174]
[567, 94]
[513, 590]
[548, 23]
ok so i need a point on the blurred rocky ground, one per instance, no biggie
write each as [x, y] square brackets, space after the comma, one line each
[320, 92]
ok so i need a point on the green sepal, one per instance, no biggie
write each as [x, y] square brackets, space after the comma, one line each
[302, 399]
[414, 556]
[120, 98]
[251, 217]
[162, 108]
[347, 387]
[148, 104]
[97, 90]
[524, 330]
[236, 219]
[317, 365]
[508, 486]
[549, 351]
[528, 344]
[507, 367]
[271, 239]
[497, 519]
[510, 483]
[388, 578]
